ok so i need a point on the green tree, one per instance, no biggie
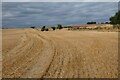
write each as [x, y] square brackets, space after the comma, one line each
[115, 19]
[53, 28]
[43, 28]
[59, 26]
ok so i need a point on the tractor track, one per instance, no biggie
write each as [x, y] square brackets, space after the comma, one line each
[59, 54]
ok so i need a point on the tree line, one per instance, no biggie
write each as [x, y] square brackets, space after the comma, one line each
[114, 20]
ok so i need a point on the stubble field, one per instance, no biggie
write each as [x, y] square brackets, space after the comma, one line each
[29, 53]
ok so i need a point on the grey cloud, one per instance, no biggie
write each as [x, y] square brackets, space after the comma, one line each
[60, 0]
[47, 13]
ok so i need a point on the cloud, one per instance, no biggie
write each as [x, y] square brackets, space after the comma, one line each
[60, 0]
[119, 5]
[28, 14]
[0, 15]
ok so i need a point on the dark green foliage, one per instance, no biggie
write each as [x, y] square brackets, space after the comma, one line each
[107, 23]
[46, 29]
[115, 19]
[43, 28]
[91, 22]
[53, 28]
[59, 26]
[32, 27]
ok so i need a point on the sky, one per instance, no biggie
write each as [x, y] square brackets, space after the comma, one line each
[119, 6]
[27, 14]
[60, 0]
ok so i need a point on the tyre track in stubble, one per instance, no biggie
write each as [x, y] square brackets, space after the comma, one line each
[16, 68]
[62, 55]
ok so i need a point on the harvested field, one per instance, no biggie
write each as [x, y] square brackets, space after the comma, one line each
[29, 53]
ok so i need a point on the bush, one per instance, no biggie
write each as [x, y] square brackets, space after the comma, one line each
[53, 28]
[43, 28]
[32, 27]
[107, 23]
[91, 22]
[46, 29]
[59, 26]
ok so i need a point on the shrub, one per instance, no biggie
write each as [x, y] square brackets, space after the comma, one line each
[91, 22]
[59, 26]
[53, 28]
[32, 27]
[43, 28]
[107, 23]
[46, 29]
